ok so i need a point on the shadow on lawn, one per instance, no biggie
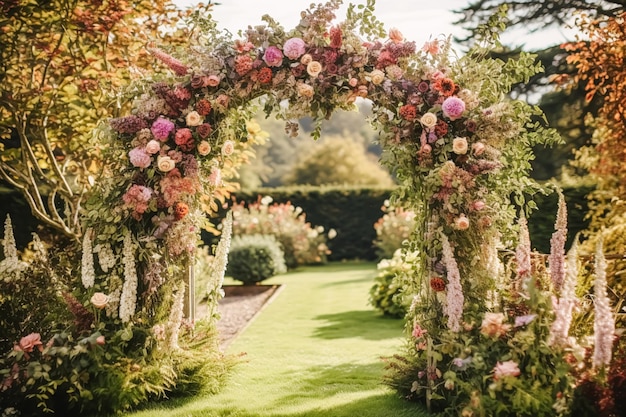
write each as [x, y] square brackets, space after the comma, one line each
[365, 324]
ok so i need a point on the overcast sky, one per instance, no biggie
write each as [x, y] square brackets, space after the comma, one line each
[418, 20]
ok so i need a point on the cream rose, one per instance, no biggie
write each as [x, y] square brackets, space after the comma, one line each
[165, 163]
[377, 76]
[459, 146]
[493, 325]
[305, 90]
[314, 68]
[99, 300]
[228, 148]
[461, 222]
[153, 147]
[204, 148]
[428, 120]
[194, 119]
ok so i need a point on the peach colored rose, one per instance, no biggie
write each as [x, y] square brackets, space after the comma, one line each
[29, 342]
[478, 148]
[204, 148]
[99, 300]
[165, 163]
[100, 340]
[428, 120]
[306, 59]
[353, 82]
[228, 148]
[395, 35]
[212, 81]
[493, 325]
[194, 119]
[314, 68]
[305, 90]
[459, 146]
[377, 76]
[461, 222]
[506, 368]
[152, 147]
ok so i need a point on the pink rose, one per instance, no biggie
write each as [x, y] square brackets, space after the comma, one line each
[294, 48]
[28, 343]
[139, 158]
[395, 35]
[100, 340]
[273, 57]
[478, 148]
[478, 205]
[453, 107]
[506, 368]
[212, 81]
[152, 147]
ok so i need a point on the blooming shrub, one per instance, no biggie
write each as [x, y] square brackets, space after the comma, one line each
[255, 258]
[386, 293]
[393, 229]
[301, 243]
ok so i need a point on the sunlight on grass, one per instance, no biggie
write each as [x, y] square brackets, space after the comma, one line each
[315, 350]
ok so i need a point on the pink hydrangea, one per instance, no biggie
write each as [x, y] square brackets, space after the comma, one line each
[294, 48]
[161, 128]
[139, 158]
[273, 57]
[453, 107]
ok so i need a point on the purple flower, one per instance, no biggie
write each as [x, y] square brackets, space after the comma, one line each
[294, 48]
[161, 128]
[453, 107]
[524, 320]
[128, 124]
[139, 158]
[273, 57]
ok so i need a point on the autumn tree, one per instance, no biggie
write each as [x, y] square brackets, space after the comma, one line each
[63, 64]
[601, 69]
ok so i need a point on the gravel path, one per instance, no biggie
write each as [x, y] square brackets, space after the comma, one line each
[237, 309]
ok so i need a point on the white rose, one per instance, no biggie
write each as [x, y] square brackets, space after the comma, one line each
[228, 148]
[99, 300]
[429, 120]
[194, 119]
[165, 163]
[459, 146]
[377, 76]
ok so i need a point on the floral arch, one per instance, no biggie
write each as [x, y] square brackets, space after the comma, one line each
[459, 147]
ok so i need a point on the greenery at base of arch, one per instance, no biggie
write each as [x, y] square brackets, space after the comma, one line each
[458, 145]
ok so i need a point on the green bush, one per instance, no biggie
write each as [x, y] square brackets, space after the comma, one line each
[386, 293]
[255, 258]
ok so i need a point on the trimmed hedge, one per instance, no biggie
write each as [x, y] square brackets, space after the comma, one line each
[352, 212]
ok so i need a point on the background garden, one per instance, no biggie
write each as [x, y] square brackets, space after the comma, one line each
[67, 66]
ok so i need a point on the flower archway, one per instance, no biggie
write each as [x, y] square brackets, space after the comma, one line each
[458, 146]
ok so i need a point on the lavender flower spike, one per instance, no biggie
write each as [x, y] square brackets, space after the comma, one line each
[556, 259]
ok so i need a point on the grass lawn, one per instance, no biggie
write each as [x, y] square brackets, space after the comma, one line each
[313, 351]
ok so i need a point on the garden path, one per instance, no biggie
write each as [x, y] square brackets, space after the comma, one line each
[314, 350]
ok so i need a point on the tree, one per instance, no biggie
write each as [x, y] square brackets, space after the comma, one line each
[338, 160]
[564, 109]
[62, 66]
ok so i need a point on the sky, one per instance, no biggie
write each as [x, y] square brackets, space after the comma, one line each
[418, 20]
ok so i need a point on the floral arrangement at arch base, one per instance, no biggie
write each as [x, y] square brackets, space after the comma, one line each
[459, 147]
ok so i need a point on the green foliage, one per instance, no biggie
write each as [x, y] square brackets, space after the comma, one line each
[386, 293]
[301, 243]
[255, 258]
[393, 230]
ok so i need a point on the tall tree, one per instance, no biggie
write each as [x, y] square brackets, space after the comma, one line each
[565, 109]
[62, 66]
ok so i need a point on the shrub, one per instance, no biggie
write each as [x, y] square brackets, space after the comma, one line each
[255, 258]
[386, 293]
[302, 244]
[393, 228]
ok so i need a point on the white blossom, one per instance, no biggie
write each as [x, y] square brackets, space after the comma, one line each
[176, 316]
[88, 274]
[128, 299]
[564, 306]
